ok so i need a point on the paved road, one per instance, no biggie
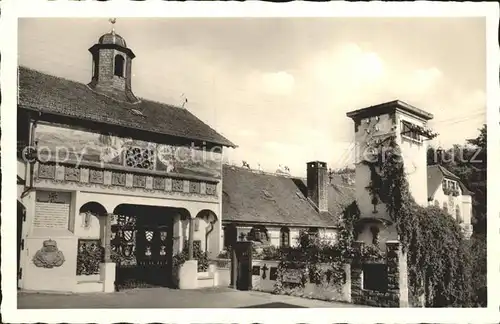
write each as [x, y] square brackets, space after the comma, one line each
[170, 298]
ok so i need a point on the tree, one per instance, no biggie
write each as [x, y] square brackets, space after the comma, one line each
[469, 163]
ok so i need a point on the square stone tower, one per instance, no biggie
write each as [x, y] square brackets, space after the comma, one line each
[375, 124]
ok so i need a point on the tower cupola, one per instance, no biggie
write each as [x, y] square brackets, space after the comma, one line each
[112, 67]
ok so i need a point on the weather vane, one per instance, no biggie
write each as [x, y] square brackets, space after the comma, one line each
[113, 22]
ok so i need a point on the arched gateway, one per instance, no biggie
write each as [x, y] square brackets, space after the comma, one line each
[142, 244]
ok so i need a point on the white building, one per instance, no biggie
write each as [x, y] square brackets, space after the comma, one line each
[445, 190]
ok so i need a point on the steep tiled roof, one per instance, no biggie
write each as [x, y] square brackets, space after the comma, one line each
[54, 95]
[255, 197]
[435, 175]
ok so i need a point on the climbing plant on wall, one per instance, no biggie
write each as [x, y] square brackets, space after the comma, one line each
[315, 259]
[438, 257]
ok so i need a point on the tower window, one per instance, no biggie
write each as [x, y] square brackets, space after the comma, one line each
[409, 131]
[119, 65]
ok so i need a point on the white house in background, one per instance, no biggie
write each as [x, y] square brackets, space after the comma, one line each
[445, 190]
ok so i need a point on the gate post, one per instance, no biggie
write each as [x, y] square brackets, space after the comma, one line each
[191, 237]
[107, 239]
[242, 265]
[234, 267]
[108, 268]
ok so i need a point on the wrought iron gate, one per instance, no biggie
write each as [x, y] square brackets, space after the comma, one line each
[142, 249]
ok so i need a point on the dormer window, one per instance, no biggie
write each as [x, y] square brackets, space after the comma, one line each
[451, 187]
[119, 65]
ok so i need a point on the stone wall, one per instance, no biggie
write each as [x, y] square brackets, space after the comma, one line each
[265, 275]
[396, 292]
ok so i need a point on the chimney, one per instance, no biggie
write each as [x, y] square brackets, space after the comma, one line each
[317, 184]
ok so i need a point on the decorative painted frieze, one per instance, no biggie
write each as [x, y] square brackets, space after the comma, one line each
[159, 183]
[211, 189]
[118, 179]
[111, 178]
[47, 171]
[139, 181]
[194, 186]
[96, 176]
[177, 185]
[72, 174]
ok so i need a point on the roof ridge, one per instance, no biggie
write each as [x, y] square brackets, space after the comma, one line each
[20, 67]
[33, 80]
[97, 92]
[255, 171]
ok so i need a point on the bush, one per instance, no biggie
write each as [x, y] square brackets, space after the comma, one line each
[224, 254]
[198, 254]
[479, 270]
[439, 257]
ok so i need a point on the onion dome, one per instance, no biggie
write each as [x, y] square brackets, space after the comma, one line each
[112, 38]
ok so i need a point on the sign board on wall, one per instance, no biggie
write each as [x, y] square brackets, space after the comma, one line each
[292, 276]
[52, 209]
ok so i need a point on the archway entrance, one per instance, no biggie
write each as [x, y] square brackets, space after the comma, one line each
[141, 242]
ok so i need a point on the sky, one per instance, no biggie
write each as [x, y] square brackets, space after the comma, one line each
[279, 88]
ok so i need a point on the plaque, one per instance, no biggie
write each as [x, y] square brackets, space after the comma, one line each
[52, 210]
[292, 276]
[273, 274]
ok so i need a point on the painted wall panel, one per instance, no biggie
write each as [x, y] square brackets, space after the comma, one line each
[75, 145]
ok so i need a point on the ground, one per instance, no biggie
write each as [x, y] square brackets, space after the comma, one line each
[170, 298]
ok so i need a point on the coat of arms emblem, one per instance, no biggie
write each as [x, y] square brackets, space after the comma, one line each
[49, 255]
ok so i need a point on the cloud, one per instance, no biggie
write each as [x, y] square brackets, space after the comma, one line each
[423, 80]
[277, 83]
[347, 67]
[246, 133]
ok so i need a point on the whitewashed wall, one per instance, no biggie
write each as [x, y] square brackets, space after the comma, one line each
[464, 202]
[274, 233]
[415, 160]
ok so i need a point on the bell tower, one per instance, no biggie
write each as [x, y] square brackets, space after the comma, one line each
[112, 67]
